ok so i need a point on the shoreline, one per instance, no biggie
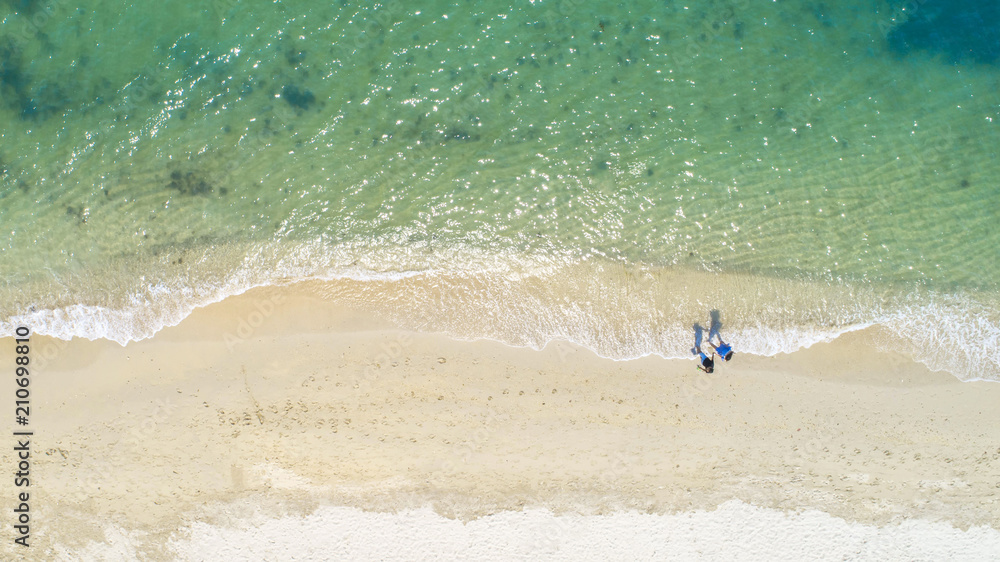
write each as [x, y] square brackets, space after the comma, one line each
[323, 405]
[623, 314]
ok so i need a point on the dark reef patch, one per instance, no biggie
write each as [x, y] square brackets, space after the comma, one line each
[14, 80]
[78, 214]
[299, 98]
[32, 100]
[47, 100]
[295, 57]
[959, 30]
[739, 31]
[458, 133]
[189, 183]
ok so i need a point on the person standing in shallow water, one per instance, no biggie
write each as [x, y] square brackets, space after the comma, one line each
[707, 363]
[724, 350]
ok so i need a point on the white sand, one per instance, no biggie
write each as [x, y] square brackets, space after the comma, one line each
[734, 532]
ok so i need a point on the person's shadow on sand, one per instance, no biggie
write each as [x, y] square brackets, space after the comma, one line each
[698, 333]
[715, 326]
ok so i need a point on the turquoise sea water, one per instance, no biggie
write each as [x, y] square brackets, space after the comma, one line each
[598, 172]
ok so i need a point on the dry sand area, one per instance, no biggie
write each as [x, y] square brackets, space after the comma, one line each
[275, 404]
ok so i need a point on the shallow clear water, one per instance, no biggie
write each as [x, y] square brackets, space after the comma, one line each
[595, 172]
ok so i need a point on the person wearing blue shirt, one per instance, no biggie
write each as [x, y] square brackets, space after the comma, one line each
[724, 350]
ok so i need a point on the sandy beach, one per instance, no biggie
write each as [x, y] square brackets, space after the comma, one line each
[275, 404]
